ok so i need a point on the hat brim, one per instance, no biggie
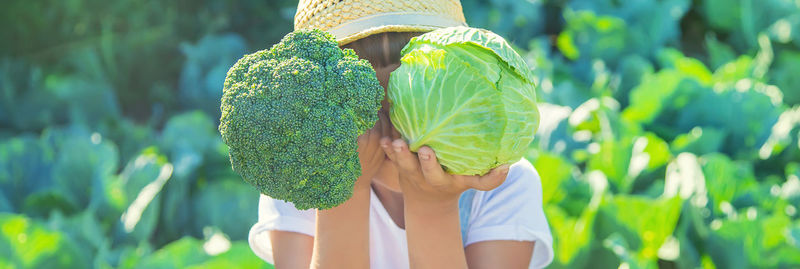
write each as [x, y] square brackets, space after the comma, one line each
[384, 29]
[388, 22]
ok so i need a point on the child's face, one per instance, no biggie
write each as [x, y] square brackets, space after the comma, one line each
[383, 77]
[387, 173]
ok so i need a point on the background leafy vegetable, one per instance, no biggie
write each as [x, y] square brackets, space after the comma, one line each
[668, 137]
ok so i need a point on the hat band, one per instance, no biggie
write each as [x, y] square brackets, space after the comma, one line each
[424, 20]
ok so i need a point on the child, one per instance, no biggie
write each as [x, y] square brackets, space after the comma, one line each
[405, 211]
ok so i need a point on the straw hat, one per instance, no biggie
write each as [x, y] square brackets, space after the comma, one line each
[350, 20]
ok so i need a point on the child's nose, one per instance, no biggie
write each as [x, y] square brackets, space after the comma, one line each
[387, 128]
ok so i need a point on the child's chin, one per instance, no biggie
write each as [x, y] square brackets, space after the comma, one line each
[386, 183]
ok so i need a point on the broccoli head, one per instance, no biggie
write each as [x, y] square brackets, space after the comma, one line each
[291, 116]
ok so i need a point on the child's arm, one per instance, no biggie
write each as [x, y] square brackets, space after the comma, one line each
[431, 213]
[432, 231]
[341, 237]
[434, 241]
[290, 249]
[499, 254]
[342, 234]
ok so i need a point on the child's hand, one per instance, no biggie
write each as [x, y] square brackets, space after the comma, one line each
[370, 154]
[422, 178]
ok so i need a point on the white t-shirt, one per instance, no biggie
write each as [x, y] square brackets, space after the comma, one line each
[512, 211]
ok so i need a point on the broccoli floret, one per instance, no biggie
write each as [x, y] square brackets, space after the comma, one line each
[291, 116]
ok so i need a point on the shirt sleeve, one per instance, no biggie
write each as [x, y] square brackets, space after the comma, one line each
[513, 211]
[278, 215]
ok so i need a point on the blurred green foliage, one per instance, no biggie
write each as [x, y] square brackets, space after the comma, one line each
[669, 135]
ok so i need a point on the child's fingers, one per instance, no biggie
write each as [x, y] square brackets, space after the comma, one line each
[406, 161]
[386, 145]
[489, 181]
[430, 166]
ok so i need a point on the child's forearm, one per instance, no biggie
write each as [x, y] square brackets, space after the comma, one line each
[433, 234]
[342, 234]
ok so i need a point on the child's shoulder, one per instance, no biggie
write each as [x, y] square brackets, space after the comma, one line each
[522, 180]
[523, 168]
[513, 211]
[518, 200]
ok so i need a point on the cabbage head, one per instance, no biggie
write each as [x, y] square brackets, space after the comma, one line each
[468, 95]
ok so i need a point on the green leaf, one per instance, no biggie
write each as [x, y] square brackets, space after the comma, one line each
[744, 20]
[745, 67]
[613, 159]
[572, 237]
[590, 36]
[784, 75]
[632, 70]
[190, 154]
[719, 52]
[567, 46]
[518, 21]
[5, 204]
[227, 204]
[238, 256]
[753, 241]
[26, 243]
[83, 227]
[646, 100]
[555, 170]
[25, 168]
[730, 73]
[27, 105]
[687, 66]
[178, 254]
[143, 179]
[657, 150]
[89, 100]
[794, 233]
[699, 141]
[84, 160]
[204, 70]
[616, 244]
[684, 178]
[650, 24]
[175, 138]
[129, 136]
[726, 179]
[722, 14]
[189, 252]
[650, 220]
[746, 115]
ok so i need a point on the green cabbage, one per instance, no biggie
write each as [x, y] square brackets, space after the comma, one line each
[468, 95]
